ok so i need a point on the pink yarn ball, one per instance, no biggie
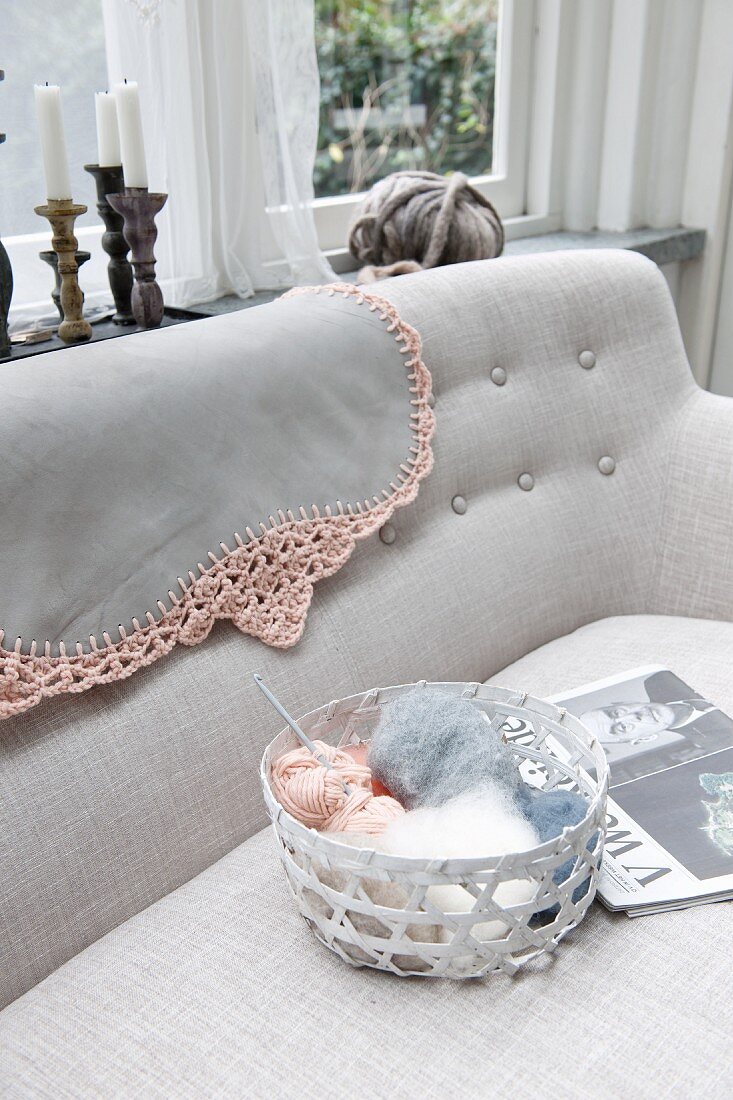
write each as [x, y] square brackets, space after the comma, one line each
[315, 796]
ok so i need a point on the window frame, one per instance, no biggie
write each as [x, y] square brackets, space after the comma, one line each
[524, 187]
[506, 186]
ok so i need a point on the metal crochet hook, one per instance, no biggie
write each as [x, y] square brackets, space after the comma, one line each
[302, 737]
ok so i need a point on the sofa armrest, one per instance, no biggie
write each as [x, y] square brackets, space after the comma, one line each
[695, 551]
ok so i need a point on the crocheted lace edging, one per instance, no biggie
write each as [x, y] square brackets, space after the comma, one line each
[264, 585]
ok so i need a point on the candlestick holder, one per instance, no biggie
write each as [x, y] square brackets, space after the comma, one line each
[110, 181]
[138, 207]
[6, 293]
[62, 213]
[49, 257]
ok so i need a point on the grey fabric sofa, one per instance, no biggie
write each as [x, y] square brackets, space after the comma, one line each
[148, 945]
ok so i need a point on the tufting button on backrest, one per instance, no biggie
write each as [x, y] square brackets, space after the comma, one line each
[526, 482]
[498, 376]
[459, 505]
[587, 359]
[606, 464]
[387, 534]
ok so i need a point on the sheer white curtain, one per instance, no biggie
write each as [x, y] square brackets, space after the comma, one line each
[282, 49]
[230, 96]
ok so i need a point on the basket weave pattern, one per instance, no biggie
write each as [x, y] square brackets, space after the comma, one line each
[330, 881]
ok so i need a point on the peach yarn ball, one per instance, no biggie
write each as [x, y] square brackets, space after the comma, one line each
[315, 796]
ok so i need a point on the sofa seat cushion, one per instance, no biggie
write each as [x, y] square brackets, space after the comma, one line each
[219, 989]
[700, 651]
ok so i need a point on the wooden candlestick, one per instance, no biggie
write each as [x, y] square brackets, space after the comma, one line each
[6, 293]
[138, 208]
[49, 257]
[62, 213]
[110, 181]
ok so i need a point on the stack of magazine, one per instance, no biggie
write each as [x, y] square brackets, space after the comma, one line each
[670, 806]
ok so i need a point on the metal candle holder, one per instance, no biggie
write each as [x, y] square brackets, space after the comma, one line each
[49, 257]
[138, 207]
[110, 181]
[62, 213]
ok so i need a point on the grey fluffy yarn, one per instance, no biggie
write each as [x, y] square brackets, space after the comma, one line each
[414, 220]
[430, 747]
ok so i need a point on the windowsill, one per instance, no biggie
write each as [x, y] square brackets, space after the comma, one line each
[663, 246]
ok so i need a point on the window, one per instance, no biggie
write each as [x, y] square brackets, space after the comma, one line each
[405, 84]
[62, 44]
[440, 85]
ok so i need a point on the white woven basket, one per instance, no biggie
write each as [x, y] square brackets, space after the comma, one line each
[330, 880]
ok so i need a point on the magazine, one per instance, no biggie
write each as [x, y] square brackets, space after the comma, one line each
[670, 807]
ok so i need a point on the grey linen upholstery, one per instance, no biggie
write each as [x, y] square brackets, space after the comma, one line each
[115, 798]
[220, 989]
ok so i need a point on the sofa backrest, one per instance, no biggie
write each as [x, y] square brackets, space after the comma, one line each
[549, 372]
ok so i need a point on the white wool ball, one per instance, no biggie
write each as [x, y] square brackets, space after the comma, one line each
[476, 824]
[454, 899]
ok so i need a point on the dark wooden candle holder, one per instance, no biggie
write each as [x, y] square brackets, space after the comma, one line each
[62, 213]
[6, 293]
[49, 257]
[6, 285]
[138, 207]
[110, 181]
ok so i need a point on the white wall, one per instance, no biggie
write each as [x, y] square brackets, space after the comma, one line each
[643, 136]
[721, 378]
[707, 196]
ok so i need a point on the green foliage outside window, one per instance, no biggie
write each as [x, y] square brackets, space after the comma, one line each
[404, 84]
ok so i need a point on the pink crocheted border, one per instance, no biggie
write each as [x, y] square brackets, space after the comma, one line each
[264, 586]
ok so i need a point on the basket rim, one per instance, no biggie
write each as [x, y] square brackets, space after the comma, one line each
[373, 858]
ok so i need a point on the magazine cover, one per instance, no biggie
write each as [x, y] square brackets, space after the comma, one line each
[670, 808]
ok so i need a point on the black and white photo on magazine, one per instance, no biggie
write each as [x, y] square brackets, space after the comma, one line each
[670, 755]
[649, 722]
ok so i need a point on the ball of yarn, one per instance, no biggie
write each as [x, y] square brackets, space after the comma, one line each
[472, 825]
[359, 752]
[430, 746]
[415, 220]
[315, 795]
[549, 812]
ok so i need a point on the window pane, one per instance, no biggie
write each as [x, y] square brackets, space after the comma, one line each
[44, 40]
[404, 84]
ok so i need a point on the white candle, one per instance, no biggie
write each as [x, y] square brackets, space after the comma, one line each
[131, 135]
[53, 144]
[108, 134]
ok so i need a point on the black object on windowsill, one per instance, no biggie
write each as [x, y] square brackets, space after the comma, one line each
[49, 257]
[6, 285]
[110, 181]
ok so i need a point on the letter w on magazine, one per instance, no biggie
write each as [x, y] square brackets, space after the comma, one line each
[670, 807]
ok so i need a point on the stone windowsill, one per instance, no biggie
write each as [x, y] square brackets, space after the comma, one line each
[664, 246]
